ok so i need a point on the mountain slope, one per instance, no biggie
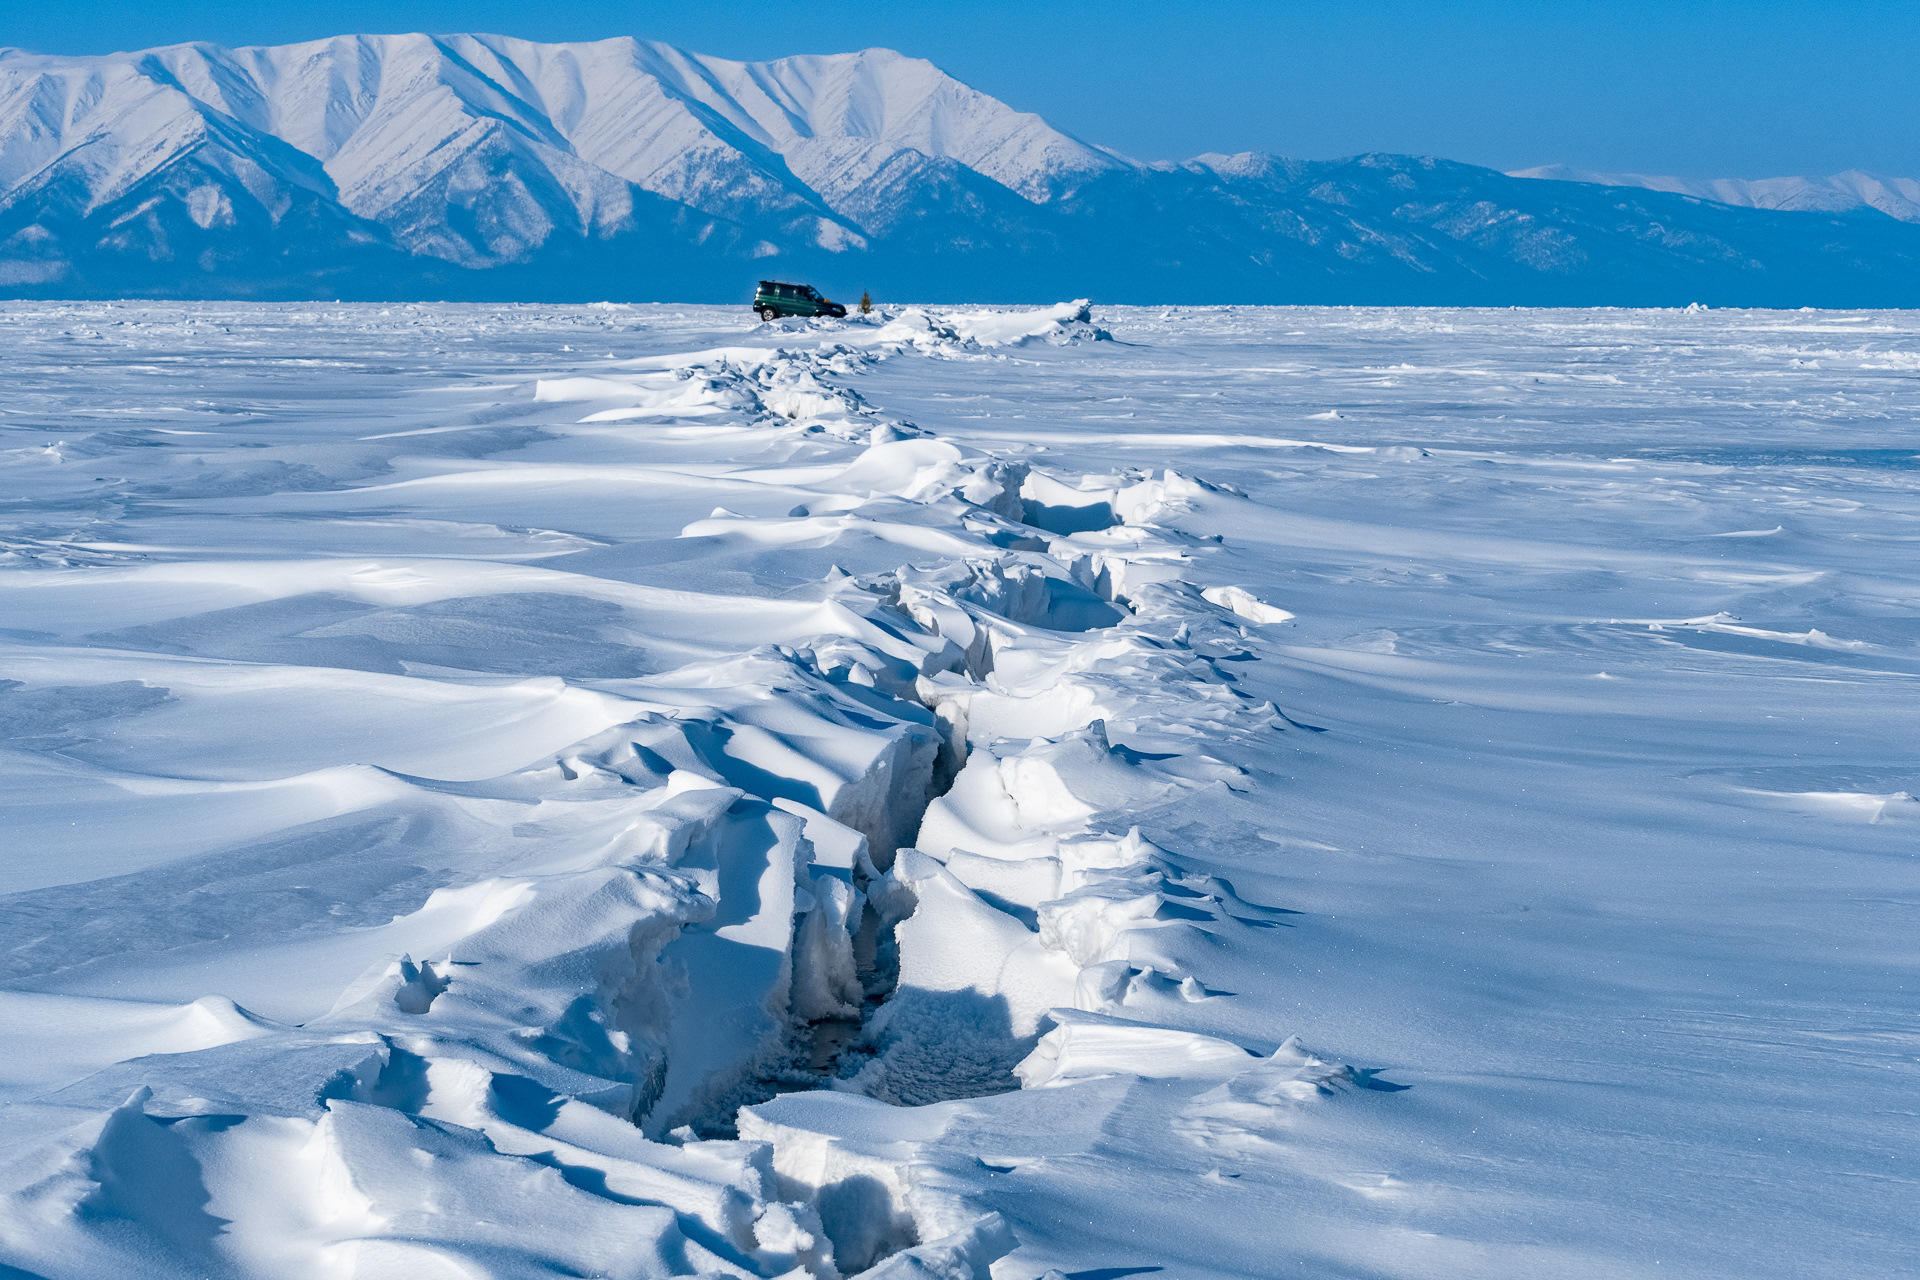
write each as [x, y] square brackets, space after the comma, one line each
[486, 167]
[1849, 192]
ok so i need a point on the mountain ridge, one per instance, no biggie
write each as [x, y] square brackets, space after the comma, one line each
[1852, 191]
[487, 167]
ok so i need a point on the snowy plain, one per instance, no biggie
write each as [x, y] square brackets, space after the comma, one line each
[1200, 792]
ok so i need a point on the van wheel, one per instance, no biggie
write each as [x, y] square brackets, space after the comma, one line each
[766, 313]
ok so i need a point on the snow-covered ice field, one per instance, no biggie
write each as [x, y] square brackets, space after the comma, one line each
[1280, 792]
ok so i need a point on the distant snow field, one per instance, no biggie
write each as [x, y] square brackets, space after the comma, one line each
[625, 791]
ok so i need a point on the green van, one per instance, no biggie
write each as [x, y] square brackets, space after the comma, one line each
[774, 299]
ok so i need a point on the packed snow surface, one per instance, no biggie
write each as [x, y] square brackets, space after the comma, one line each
[1083, 792]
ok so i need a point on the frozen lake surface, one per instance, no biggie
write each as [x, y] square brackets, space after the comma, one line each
[1203, 792]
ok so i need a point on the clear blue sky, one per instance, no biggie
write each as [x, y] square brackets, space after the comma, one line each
[1706, 88]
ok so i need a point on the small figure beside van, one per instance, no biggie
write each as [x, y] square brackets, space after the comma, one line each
[775, 299]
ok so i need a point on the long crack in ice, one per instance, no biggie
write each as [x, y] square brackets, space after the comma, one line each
[879, 841]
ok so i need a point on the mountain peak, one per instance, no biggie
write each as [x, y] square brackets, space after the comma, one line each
[518, 138]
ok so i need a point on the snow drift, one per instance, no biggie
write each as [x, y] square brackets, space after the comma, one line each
[625, 791]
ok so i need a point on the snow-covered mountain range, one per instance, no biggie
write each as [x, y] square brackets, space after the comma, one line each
[1849, 192]
[485, 167]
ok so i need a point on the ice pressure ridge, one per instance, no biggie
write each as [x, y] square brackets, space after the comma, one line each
[859, 840]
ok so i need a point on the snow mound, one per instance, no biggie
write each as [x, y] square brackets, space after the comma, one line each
[1062, 324]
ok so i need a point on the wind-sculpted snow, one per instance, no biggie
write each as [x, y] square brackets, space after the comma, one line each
[615, 791]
